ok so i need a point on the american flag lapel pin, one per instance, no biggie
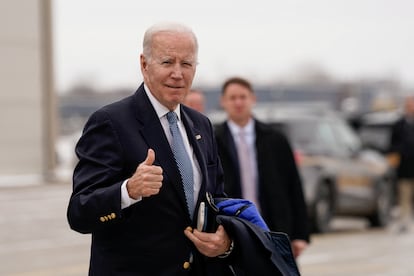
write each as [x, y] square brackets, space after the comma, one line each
[198, 137]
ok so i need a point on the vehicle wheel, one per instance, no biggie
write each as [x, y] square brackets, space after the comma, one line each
[383, 202]
[323, 210]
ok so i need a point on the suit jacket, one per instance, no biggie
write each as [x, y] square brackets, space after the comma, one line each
[146, 238]
[280, 191]
[402, 142]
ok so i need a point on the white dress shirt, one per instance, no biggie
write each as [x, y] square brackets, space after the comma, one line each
[250, 135]
[161, 112]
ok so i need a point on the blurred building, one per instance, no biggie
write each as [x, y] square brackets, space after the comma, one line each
[27, 101]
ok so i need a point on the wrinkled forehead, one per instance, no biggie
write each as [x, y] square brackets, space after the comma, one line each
[172, 44]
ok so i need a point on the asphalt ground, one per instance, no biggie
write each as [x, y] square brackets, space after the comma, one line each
[35, 240]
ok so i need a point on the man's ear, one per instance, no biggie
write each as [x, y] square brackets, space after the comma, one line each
[143, 62]
[254, 99]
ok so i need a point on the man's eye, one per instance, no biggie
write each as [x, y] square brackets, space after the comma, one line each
[187, 64]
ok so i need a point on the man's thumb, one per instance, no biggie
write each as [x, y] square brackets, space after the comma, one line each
[150, 157]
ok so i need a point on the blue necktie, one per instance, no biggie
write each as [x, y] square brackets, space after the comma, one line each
[183, 161]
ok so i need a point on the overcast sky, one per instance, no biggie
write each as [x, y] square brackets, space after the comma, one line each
[99, 41]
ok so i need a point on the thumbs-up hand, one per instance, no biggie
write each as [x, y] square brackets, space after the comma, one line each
[150, 157]
[147, 179]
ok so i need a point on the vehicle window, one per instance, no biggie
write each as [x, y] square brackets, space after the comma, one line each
[312, 136]
[326, 136]
[346, 136]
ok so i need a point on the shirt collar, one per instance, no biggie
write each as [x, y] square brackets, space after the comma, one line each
[159, 108]
[236, 129]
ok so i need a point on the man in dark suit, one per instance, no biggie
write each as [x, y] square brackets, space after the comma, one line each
[259, 165]
[402, 147]
[127, 187]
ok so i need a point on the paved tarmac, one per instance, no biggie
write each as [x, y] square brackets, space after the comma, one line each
[35, 237]
[35, 240]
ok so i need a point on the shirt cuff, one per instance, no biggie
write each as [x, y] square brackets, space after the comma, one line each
[126, 201]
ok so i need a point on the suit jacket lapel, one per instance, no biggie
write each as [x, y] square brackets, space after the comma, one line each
[228, 138]
[234, 187]
[153, 133]
[193, 133]
[261, 135]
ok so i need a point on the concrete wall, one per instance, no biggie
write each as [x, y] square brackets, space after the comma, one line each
[27, 101]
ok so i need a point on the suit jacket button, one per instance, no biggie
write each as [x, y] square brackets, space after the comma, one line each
[186, 265]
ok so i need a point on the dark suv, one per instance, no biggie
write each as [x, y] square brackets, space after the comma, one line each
[339, 176]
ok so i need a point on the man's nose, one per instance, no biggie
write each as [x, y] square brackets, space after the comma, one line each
[177, 71]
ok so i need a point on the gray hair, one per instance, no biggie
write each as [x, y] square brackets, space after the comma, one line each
[165, 27]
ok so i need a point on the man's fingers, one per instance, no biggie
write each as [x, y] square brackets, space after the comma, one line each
[189, 233]
[147, 192]
[147, 167]
[209, 244]
[150, 157]
[220, 230]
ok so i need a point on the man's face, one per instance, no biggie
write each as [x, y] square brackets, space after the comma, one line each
[170, 71]
[409, 106]
[238, 102]
[195, 100]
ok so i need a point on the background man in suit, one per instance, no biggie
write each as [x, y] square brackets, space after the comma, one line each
[402, 146]
[196, 100]
[258, 165]
[127, 187]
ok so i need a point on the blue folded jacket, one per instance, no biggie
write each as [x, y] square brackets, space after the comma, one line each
[241, 208]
